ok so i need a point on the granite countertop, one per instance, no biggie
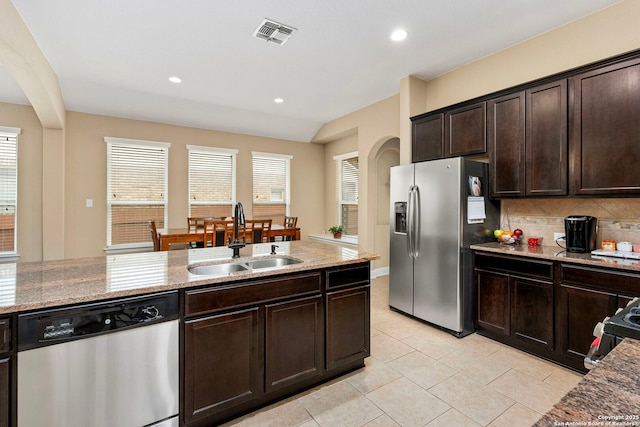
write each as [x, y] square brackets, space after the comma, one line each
[607, 395]
[556, 253]
[38, 285]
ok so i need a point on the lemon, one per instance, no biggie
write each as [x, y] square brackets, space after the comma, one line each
[497, 233]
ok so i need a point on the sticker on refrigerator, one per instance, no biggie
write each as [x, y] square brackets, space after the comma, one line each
[476, 213]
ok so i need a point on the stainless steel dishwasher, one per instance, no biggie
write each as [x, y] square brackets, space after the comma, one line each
[106, 364]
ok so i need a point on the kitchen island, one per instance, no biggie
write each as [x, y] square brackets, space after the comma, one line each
[247, 336]
[607, 395]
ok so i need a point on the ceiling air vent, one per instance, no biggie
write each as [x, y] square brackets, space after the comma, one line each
[273, 32]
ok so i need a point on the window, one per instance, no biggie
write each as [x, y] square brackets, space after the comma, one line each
[212, 181]
[348, 192]
[8, 190]
[136, 190]
[271, 186]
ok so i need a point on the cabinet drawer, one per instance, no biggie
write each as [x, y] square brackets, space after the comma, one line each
[5, 335]
[615, 281]
[252, 292]
[348, 276]
[524, 267]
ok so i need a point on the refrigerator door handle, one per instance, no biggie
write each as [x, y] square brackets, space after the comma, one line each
[410, 223]
[415, 226]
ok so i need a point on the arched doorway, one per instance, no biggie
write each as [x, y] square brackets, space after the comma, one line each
[382, 157]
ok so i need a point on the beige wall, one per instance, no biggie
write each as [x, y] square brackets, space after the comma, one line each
[610, 32]
[86, 166]
[30, 211]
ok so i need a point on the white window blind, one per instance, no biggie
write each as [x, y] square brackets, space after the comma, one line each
[348, 192]
[8, 190]
[136, 190]
[212, 181]
[271, 182]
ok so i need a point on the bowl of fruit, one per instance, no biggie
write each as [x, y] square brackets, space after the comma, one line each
[508, 237]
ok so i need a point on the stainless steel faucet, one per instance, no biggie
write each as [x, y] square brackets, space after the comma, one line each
[238, 220]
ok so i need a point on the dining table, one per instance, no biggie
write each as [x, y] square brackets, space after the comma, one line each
[169, 236]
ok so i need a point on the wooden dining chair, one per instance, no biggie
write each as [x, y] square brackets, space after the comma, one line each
[220, 231]
[290, 222]
[257, 230]
[154, 236]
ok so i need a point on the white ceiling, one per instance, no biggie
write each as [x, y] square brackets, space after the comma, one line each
[114, 57]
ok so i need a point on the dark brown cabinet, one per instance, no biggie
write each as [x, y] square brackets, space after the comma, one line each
[465, 130]
[222, 362]
[347, 326]
[515, 301]
[586, 296]
[6, 368]
[428, 137]
[250, 343]
[294, 342]
[606, 124]
[506, 135]
[347, 306]
[527, 133]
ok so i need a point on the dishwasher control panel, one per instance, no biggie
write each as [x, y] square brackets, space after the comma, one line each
[59, 325]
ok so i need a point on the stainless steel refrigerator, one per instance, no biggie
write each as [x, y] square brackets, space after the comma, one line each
[438, 209]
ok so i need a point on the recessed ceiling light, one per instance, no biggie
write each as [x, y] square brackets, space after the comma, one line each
[398, 35]
[175, 79]
[278, 100]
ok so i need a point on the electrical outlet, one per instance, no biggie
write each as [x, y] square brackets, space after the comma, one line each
[558, 236]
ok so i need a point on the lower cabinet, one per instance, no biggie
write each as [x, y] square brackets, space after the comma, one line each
[586, 296]
[5, 391]
[250, 343]
[348, 334]
[515, 307]
[294, 342]
[7, 359]
[222, 359]
[548, 308]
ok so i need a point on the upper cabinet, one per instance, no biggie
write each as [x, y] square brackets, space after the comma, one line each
[428, 137]
[527, 133]
[574, 133]
[605, 143]
[465, 130]
[456, 132]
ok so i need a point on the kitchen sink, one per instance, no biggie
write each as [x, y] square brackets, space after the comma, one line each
[273, 262]
[227, 268]
[217, 269]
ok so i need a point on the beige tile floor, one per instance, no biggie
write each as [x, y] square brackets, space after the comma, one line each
[418, 375]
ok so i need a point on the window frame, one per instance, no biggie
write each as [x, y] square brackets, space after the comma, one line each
[213, 151]
[8, 133]
[137, 143]
[340, 158]
[286, 193]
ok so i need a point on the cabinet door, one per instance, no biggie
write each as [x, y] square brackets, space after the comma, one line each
[580, 309]
[465, 130]
[532, 311]
[493, 302]
[222, 362]
[506, 135]
[428, 138]
[5, 335]
[5, 391]
[546, 136]
[606, 124]
[294, 348]
[347, 318]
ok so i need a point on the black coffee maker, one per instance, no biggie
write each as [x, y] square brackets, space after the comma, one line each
[580, 233]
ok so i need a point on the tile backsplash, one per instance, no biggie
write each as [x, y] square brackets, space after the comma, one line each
[618, 219]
